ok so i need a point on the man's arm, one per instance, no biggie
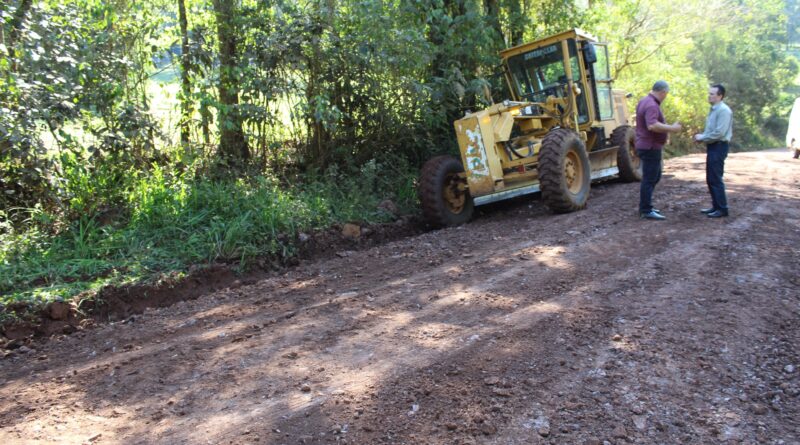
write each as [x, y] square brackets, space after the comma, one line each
[651, 118]
[659, 127]
[718, 127]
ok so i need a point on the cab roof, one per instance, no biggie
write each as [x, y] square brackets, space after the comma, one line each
[575, 33]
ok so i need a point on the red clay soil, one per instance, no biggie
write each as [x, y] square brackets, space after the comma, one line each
[522, 327]
[114, 303]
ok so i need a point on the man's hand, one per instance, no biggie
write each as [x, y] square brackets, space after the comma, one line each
[698, 138]
[676, 127]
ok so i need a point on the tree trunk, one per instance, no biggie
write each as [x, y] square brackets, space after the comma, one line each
[319, 136]
[186, 86]
[205, 122]
[15, 26]
[492, 11]
[15, 29]
[436, 36]
[517, 22]
[454, 8]
[233, 150]
[2, 29]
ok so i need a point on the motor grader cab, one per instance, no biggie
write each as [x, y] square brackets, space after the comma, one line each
[563, 128]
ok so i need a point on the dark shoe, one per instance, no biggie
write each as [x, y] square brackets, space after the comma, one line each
[707, 211]
[652, 215]
[717, 214]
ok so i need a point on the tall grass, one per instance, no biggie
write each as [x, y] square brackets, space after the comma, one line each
[170, 222]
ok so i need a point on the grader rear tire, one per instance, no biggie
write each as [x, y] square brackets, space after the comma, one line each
[564, 171]
[628, 162]
[444, 203]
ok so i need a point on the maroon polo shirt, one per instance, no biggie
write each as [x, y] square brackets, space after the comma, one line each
[648, 112]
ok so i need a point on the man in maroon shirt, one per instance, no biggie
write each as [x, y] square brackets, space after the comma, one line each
[651, 135]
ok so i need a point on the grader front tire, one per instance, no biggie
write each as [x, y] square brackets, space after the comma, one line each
[564, 171]
[628, 162]
[442, 193]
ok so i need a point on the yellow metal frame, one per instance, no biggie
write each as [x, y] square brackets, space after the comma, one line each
[483, 136]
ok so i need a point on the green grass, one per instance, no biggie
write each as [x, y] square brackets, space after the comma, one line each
[173, 223]
[165, 222]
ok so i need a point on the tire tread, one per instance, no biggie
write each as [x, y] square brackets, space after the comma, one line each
[551, 177]
[430, 196]
[619, 138]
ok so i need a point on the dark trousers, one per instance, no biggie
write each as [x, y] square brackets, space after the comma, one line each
[651, 174]
[715, 167]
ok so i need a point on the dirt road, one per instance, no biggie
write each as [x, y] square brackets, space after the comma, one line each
[522, 327]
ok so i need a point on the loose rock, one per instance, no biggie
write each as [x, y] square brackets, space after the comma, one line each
[58, 310]
[351, 231]
[619, 432]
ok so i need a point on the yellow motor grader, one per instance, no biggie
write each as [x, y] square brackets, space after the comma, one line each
[564, 127]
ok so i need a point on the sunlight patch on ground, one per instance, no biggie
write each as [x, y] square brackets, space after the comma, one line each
[303, 284]
[524, 315]
[549, 256]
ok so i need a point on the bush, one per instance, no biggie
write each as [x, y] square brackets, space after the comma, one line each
[168, 223]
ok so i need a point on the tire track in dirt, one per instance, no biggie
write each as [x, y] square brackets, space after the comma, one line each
[498, 332]
[575, 300]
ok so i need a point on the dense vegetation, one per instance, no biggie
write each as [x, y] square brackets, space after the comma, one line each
[141, 137]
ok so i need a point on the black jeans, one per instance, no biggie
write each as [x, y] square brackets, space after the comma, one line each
[651, 174]
[715, 167]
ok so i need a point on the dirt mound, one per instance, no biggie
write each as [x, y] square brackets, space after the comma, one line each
[111, 303]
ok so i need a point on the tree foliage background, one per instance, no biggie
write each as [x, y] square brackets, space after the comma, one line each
[295, 88]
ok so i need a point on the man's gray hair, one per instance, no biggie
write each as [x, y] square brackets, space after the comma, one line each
[661, 85]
